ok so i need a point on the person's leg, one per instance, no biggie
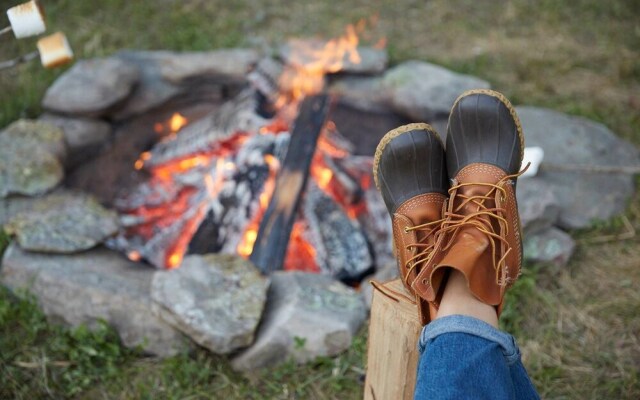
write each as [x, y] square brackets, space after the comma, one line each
[465, 356]
[476, 258]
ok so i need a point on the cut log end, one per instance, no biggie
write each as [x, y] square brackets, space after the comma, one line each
[392, 354]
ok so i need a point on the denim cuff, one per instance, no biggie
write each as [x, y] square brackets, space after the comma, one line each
[472, 326]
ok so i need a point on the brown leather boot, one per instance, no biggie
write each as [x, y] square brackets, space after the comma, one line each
[409, 169]
[481, 235]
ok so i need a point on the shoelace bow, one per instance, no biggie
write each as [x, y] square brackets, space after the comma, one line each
[453, 220]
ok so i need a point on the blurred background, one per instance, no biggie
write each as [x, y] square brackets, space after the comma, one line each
[578, 327]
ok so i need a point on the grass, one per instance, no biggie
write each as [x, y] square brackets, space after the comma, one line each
[42, 360]
[578, 327]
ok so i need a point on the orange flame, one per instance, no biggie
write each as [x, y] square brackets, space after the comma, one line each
[176, 122]
[301, 255]
[304, 75]
[309, 65]
[245, 247]
[134, 256]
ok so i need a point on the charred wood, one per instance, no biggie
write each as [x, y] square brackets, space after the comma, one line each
[271, 244]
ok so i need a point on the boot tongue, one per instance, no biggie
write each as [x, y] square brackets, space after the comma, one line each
[470, 243]
[466, 251]
[423, 215]
[421, 210]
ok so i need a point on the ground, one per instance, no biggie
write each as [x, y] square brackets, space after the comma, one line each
[578, 327]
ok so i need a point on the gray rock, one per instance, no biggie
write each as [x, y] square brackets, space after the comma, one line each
[307, 315]
[551, 246]
[96, 285]
[583, 196]
[538, 206]
[362, 92]
[424, 91]
[13, 205]
[384, 274]
[63, 223]
[229, 63]
[440, 125]
[32, 133]
[152, 89]
[91, 87]
[215, 299]
[304, 51]
[30, 158]
[83, 136]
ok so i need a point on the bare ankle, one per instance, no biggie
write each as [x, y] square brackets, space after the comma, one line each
[458, 300]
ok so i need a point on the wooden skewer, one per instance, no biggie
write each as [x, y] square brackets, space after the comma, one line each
[5, 30]
[18, 60]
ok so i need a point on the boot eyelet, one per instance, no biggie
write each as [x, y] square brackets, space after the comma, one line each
[406, 229]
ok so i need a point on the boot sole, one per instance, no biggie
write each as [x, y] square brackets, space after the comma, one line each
[386, 139]
[507, 103]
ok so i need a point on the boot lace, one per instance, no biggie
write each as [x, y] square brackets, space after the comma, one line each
[423, 253]
[484, 219]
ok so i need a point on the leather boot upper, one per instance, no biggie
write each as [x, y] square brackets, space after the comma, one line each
[410, 172]
[480, 235]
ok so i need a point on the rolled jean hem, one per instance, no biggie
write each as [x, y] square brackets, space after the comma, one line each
[471, 326]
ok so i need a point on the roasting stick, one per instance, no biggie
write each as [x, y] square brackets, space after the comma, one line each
[18, 60]
[26, 19]
[54, 50]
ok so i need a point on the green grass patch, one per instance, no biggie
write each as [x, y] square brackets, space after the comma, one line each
[43, 360]
[38, 359]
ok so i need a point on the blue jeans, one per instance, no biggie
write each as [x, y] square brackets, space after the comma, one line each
[464, 358]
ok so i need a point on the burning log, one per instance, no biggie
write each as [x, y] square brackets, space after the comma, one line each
[340, 244]
[235, 115]
[270, 247]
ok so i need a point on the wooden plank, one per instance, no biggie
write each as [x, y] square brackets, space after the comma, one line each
[271, 244]
[392, 355]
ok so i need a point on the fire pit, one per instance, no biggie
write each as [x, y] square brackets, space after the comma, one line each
[235, 172]
[260, 172]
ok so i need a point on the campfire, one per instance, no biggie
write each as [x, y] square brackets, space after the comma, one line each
[268, 177]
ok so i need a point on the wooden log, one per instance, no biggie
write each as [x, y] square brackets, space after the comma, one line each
[271, 244]
[392, 355]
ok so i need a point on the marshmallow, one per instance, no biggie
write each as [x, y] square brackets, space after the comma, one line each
[27, 19]
[54, 50]
[533, 155]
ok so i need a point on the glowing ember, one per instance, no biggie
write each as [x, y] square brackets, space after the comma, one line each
[245, 247]
[174, 260]
[322, 175]
[172, 126]
[301, 256]
[134, 256]
[176, 122]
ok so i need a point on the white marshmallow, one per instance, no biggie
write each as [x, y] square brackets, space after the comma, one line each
[27, 19]
[54, 50]
[533, 155]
